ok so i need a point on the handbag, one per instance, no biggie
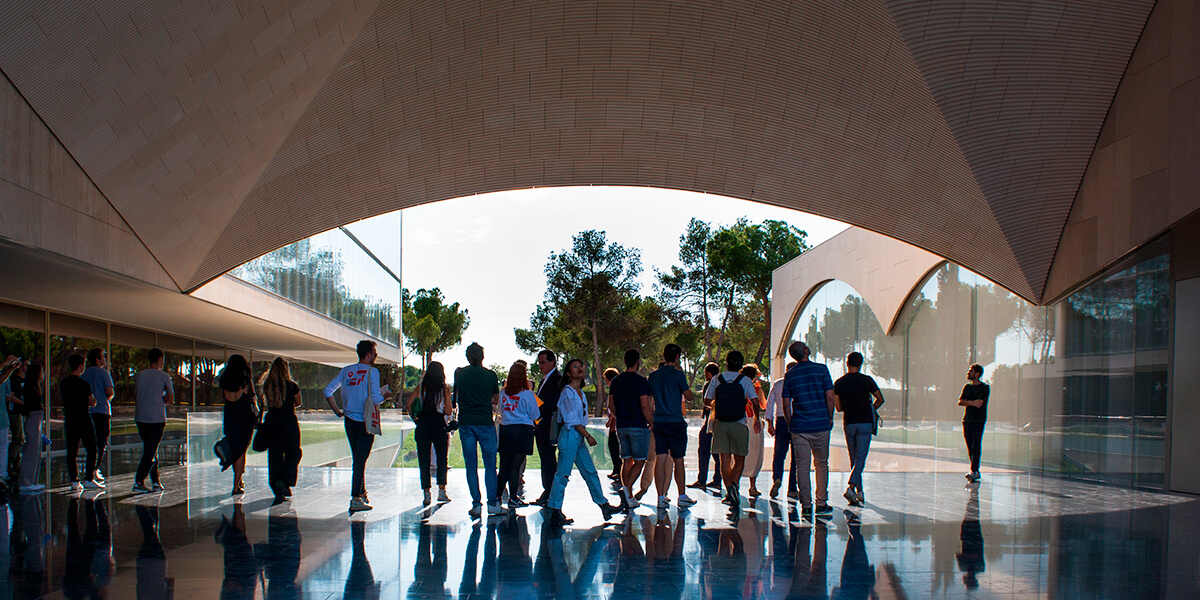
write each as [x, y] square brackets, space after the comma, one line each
[262, 437]
[371, 418]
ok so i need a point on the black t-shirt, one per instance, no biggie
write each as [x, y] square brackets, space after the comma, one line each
[75, 392]
[854, 391]
[627, 390]
[975, 392]
[31, 396]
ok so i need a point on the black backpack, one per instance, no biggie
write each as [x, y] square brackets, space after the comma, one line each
[729, 403]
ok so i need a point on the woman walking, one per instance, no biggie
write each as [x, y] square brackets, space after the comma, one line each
[573, 415]
[518, 411]
[31, 408]
[754, 458]
[431, 405]
[241, 414]
[283, 430]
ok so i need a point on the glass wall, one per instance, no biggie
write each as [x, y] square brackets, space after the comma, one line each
[349, 274]
[1078, 387]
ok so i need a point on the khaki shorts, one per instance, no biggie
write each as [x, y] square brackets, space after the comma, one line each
[730, 437]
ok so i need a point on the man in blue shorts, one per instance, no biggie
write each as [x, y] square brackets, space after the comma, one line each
[631, 403]
[671, 392]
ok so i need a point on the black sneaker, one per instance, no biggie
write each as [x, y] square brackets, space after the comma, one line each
[824, 509]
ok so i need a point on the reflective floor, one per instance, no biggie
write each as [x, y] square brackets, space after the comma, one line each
[919, 536]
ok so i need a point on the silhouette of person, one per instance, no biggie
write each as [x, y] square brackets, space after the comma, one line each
[429, 567]
[808, 572]
[280, 556]
[517, 580]
[241, 566]
[81, 549]
[858, 577]
[970, 559]
[360, 581]
[152, 580]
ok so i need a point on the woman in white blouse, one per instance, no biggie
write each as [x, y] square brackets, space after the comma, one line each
[572, 413]
[518, 411]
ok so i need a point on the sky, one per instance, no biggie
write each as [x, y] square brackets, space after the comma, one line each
[488, 251]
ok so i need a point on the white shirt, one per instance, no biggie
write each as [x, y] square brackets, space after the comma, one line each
[729, 376]
[775, 400]
[358, 382]
[572, 408]
[518, 409]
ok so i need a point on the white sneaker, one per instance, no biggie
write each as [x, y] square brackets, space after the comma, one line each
[92, 485]
[495, 509]
[476, 510]
[631, 502]
[685, 500]
[443, 496]
[358, 504]
[664, 502]
[157, 487]
[76, 486]
[98, 477]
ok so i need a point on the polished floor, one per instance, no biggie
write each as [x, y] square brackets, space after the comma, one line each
[919, 536]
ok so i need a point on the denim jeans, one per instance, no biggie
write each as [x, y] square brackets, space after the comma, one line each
[812, 448]
[485, 437]
[858, 443]
[973, 434]
[783, 443]
[360, 451]
[31, 455]
[573, 452]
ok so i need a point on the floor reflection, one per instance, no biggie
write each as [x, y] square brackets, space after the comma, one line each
[1044, 538]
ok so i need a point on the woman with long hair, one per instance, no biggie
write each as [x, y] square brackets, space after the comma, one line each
[518, 411]
[431, 406]
[573, 415]
[282, 396]
[754, 458]
[241, 413]
[32, 409]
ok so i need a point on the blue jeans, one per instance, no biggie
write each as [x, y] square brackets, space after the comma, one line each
[783, 443]
[573, 452]
[485, 437]
[858, 442]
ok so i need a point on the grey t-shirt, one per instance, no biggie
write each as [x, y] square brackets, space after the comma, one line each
[152, 386]
[99, 378]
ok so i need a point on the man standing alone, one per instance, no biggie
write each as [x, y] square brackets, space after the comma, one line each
[477, 391]
[974, 399]
[547, 392]
[808, 406]
[359, 383]
[857, 397]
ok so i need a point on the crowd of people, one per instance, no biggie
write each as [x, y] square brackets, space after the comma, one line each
[501, 422]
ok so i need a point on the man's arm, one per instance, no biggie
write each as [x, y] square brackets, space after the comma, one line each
[837, 402]
[829, 398]
[330, 389]
[648, 408]
[878, 398]
[91, 400]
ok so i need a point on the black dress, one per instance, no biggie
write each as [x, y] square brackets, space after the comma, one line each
[239, 422]
[284, 442]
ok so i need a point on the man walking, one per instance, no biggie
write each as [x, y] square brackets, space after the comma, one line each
[359, 384]
[632, 405]
[477, 392]
[101, 380]
[77, 400]
[671, 393]
[974, 399]
[857, 397]
[727, 396]
[704, 453]
[777, 427]
[547, 392]
[154, 393]
[808, 406]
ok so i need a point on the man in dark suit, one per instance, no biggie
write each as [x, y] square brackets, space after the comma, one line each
[547, 392]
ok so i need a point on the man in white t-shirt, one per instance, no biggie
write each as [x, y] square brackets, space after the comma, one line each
[731, 437]
[359, 384]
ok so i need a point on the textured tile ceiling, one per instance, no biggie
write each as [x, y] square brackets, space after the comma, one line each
[223, 130]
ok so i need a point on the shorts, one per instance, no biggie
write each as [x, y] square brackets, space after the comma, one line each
[730, 437]
[634, 441]
[671, 438]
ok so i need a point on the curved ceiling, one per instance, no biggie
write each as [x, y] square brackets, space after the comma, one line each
[221, 131]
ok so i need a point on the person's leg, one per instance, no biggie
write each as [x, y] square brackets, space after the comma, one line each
[239, 468]
[4, 441]
[144, 464]
[568, 446]
[291, 466]
[974, 434]
[16, 443]
[100, 422]
[72, 434]
[154, 432]
[587, 470]
[467, 436]
[487, 446]
[441, 449]
[424, 443]
[819, 442]
[614, 451]
[662, 460]
[89, 444]
[680, 473]
[861, 433]
[504, 471]
[275, 453]
[547, 453]
[802, 452]
[703, 455]
[355, 431]
[31, 455]
[778, 458]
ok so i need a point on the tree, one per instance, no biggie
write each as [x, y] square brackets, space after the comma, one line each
[746, 255]
[687, 292]
[431, 325]
[587, 287]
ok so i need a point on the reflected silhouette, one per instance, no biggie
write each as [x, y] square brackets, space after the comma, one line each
[808, 571]
[152, 580]
[280, 556]
[88, 566]
[241, 566]
[664, 565]
[516, 579]
[429, 567]
[483, 585]
[858, 577]
[360, 581]
[970, 559]
[630, 579]
[583, 584]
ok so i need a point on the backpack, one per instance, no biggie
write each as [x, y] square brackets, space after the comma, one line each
[729, 402]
